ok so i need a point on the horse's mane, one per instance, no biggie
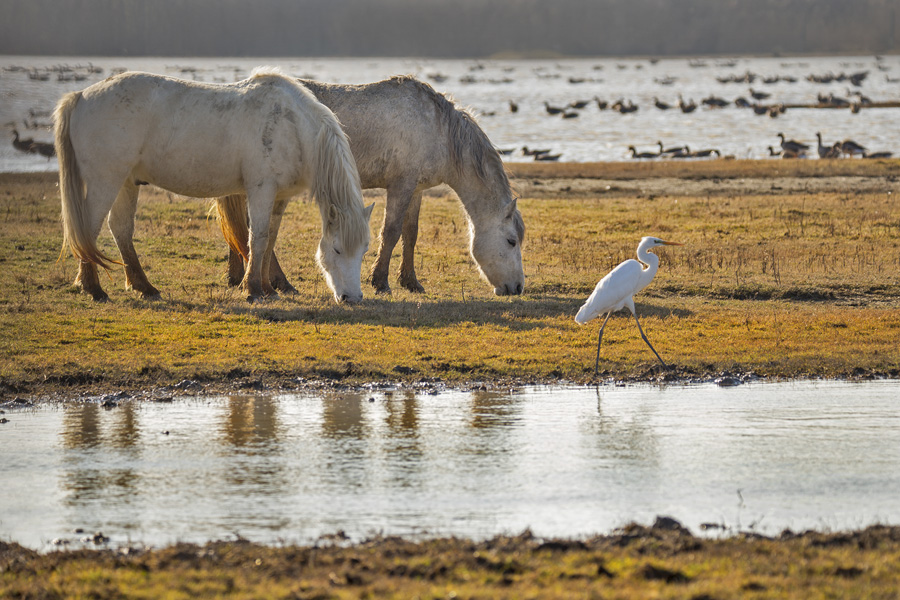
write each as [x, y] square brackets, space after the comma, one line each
[336, 184]
[468, 142]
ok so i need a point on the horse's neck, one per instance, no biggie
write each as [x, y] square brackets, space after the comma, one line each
[477, 194]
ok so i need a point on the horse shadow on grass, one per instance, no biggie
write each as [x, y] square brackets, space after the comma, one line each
[518, 314]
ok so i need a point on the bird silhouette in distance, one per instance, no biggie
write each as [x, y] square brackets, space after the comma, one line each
[616, 291]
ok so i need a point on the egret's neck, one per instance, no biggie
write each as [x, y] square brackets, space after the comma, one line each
[652, 262]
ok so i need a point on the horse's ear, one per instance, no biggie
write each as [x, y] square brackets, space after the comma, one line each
[333, 215]
[368, 211]
[512, 208]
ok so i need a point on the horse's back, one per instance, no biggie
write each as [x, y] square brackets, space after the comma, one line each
[195, 138]
[395, 127]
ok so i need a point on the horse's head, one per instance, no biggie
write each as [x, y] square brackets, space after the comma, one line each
[497, 248]
[340, 258]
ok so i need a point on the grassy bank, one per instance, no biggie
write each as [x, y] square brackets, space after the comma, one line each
[781, 284]
[638, 562]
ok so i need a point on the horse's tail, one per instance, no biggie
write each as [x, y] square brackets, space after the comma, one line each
[232, 212]
[76, 230]
[336, 183]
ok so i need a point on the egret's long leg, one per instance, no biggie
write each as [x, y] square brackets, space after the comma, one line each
[600, 339]
[648, 342]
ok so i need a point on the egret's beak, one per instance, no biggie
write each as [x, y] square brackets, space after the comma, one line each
[671, 243]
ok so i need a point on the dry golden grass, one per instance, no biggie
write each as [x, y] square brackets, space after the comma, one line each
[780, 284]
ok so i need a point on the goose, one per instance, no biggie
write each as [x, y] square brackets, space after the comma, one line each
[850, 147]
[672, 150]
[793, 145]
[547, 157]
[682, 153]
[552, 110]
[636, 154]
[601, 104]
[834, 151]
[686, 107]
[824, 151]
[513, 107]
[759, 95]
[23, 145]
[578, 104]
[705, 153]
[883, 154]
[570, 115]
[715, 102]
[784, 153]
[528, 152]
[660, 104]
[43, 148]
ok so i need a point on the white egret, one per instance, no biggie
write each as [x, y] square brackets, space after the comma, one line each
[616, 291]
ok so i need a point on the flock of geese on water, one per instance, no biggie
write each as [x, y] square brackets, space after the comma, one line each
[854, 100]
[787, 149]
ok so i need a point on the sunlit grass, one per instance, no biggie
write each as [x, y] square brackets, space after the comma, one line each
[783, 285]
[637, 562]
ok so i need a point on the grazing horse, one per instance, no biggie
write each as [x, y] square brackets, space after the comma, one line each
[407, 138]
[266, 137]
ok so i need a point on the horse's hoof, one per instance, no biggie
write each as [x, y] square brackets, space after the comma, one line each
[99, 296]
[414, 286]
[386, 289]
[151, 295]
[286, 288]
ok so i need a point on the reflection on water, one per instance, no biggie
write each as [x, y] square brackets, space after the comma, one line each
[562, 461]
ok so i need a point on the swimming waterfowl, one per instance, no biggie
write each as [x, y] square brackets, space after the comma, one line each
[636, 154]
[793, 145]
[850, 147]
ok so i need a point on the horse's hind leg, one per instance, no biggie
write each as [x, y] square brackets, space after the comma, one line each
[277, 277]
[121, 224]
[233, 219]
[235, 268]
[98, 206]
[88, 280]
[410, 236]
[398, 200]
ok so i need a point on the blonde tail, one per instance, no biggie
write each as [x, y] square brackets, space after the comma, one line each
[76, 231]
[232, 212]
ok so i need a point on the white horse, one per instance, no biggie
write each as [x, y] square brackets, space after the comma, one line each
[266, 137]
[406, 138]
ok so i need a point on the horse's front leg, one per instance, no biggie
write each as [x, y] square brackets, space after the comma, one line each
[260, 204]
[398, 200]
[269, 261]
[410, 236]
[121, 224]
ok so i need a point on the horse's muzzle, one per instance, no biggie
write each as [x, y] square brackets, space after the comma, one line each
[346, 298]
[508, 289]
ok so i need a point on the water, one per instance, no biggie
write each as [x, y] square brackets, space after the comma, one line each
[568, 461]
[488, 86]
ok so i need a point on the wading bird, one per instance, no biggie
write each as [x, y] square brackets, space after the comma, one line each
[616, 291]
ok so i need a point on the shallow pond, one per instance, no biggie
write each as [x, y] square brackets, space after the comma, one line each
[488, 86]
[568, 461]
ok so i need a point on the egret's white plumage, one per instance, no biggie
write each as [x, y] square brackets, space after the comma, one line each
[616, 291]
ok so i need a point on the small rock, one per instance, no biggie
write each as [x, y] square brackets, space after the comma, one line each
[728, 381]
